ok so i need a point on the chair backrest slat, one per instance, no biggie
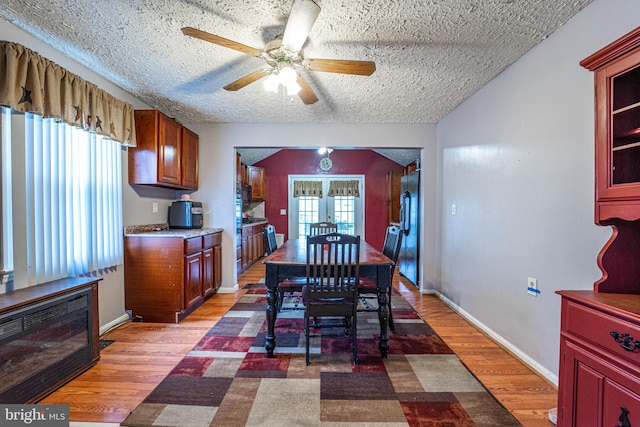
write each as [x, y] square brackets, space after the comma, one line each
[322, 228]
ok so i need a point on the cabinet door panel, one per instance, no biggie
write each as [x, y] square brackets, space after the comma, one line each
[217, 267]
[170, 133]
[208, 270]
[193, 278]
[245, 251]
[589, 397]
[617, 397]
[256, 181]
[189, 159]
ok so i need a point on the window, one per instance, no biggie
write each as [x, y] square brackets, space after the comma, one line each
[65, 202]
[345, 211]
[307, 213]
[345, 214]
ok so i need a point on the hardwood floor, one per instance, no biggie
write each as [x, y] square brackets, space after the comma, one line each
[142, 354]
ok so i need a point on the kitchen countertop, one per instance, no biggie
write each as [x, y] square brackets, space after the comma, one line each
[255, 222]
[163, 230]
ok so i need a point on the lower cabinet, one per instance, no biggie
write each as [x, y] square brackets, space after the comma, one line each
[252, 245]
[599, 377]
[166, 278]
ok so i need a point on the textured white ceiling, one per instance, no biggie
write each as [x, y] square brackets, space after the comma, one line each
[430, 54]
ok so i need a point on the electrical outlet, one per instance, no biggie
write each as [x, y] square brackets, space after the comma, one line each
[154, 207]
[454, 209]
[532, 286]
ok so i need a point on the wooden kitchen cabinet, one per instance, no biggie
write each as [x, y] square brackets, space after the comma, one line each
[211, 264]
[252, 244]
[166, 154]
[599, 373]
[193, 275]
[238, 169]
[166, 278]
[255, 176]
[189, 156]
[393, 195]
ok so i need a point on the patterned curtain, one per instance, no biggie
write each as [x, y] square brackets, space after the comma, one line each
[344, 188]
[33, 84]
[307, 188]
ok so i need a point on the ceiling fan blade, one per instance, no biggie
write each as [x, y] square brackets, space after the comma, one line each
[221, 41]
[341, 66]
[302, 17]
[248, 79]
[306, 94]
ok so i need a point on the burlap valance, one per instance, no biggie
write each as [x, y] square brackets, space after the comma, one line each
[33, 84]
[307, 188]
[344, 188]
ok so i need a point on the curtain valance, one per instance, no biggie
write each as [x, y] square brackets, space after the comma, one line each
[344, 188]
[307, 188]
[33, 84]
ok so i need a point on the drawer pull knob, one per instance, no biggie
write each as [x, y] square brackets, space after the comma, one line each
[624, 418]
[625, 341]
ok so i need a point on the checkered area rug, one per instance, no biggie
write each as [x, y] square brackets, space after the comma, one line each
[227, 380]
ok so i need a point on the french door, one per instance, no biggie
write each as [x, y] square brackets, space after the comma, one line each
[345, 211]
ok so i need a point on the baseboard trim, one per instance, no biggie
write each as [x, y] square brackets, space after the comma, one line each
[519, 354]
[115, 322]
[229, 290]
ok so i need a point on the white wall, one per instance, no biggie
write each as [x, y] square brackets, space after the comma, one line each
[517, 159]
[217, 170]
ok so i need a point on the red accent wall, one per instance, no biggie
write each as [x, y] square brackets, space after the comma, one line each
[372, 165]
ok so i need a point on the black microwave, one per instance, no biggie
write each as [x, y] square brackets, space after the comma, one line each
[185, 214]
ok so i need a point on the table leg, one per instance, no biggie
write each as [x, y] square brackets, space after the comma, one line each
[383, 313]
[271, 281]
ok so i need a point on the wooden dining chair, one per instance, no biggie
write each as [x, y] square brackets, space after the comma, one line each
[368, 288]
[290, 285]
[270, 243]
[331, 289]
[322, 228]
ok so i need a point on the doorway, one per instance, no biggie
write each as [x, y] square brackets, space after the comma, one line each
[316, 205]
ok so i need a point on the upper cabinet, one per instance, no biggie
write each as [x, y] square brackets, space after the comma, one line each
[617, 128]
[616, 70]
[189, 155]
[393, 195]
[255, 176]
[166, 154]
[238, 169]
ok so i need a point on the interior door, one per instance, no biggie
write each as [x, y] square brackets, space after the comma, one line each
[346, 212]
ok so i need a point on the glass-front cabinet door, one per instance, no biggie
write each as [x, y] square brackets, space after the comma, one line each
[624, 144]
[617, 129]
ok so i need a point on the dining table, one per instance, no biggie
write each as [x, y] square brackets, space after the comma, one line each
[290, 260]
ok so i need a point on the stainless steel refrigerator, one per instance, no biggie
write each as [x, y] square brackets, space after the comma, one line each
[409, 262]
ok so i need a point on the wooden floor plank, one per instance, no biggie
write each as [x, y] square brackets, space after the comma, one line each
[144, 353]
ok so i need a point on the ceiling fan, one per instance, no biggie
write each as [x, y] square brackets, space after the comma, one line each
[283, 55]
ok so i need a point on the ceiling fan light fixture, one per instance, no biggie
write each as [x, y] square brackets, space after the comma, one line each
[272, 82]
[288, 78]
